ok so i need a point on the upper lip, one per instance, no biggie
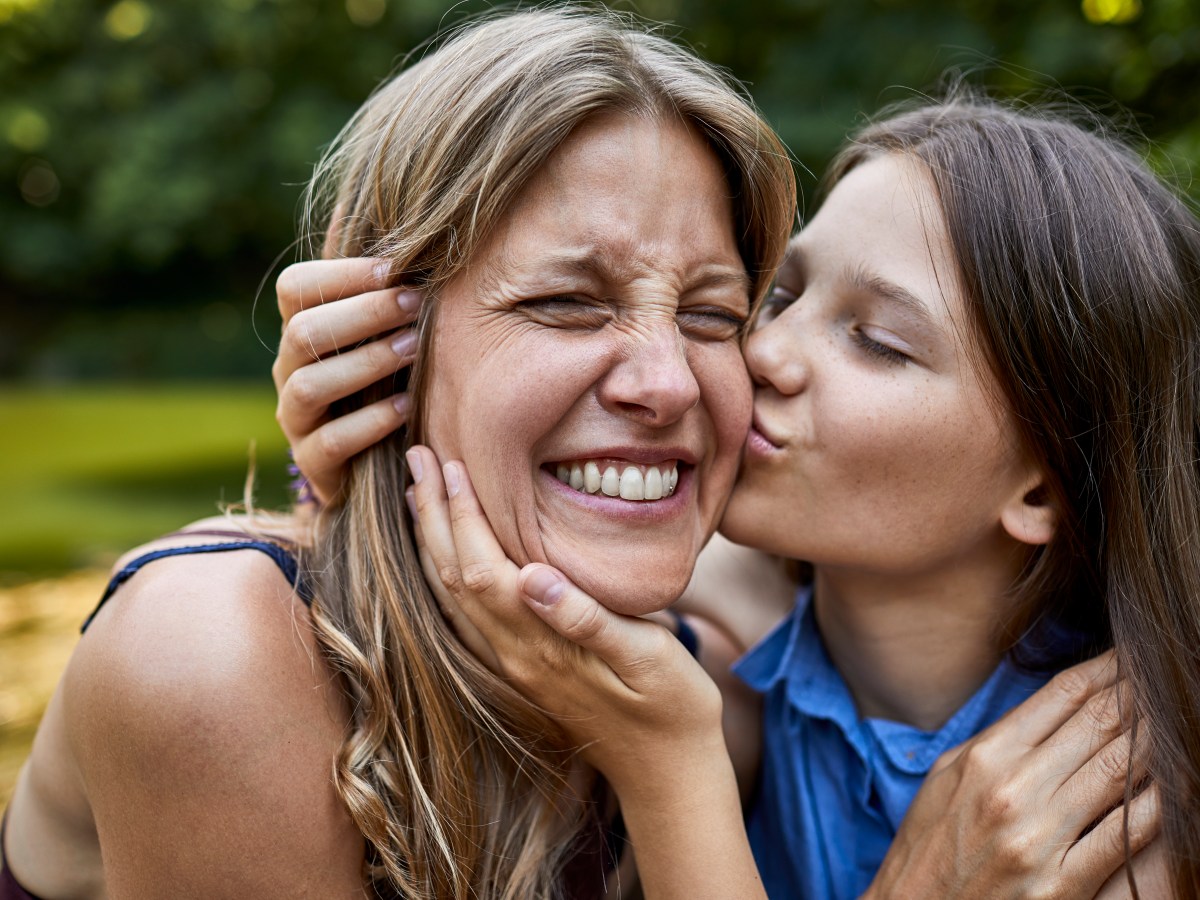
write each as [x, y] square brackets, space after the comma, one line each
[644, 455]
[757, 425]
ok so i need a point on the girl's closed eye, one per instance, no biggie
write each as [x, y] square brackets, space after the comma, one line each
[777, 300]
[881, 345]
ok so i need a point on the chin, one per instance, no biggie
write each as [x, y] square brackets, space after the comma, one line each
[635, 596]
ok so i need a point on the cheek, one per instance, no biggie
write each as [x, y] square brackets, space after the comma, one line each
[727, 393]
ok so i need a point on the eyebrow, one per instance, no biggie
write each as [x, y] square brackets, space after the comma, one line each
[908, 302]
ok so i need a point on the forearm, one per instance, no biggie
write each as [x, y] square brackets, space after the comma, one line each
[687, 832]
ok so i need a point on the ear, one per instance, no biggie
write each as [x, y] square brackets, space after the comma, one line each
[1029, 516]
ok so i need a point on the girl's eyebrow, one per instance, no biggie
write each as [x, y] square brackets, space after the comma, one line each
[911, 306]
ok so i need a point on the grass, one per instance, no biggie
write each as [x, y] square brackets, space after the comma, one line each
[86, 473]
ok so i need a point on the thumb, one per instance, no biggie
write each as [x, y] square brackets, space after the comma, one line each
[565, 608]
[625, 643]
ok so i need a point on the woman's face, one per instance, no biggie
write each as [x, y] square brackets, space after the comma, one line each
[587, 368]
[875, 445]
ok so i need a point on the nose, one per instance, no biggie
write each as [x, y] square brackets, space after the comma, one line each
[652, 380]
[775, 356]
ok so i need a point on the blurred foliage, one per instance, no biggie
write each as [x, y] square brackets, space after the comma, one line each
[151, 151]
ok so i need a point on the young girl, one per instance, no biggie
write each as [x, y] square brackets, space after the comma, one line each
[976, 419]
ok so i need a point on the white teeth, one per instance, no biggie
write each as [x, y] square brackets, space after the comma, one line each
[610, 482]
[629, 484]
[632, 486]
[591, 478]
[654, 484]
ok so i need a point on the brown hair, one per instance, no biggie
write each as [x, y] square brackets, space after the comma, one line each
[458, 784]
[1081, 275]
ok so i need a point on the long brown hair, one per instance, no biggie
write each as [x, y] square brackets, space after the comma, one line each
[1081, 274]
[458, 784]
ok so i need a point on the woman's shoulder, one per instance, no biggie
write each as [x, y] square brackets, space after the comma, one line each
[198, 695]
[183, 624]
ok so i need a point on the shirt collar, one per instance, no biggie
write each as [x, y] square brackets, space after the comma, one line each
[793, 656]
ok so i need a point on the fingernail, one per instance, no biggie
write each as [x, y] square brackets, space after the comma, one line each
[403, 344]
[382, 272]
[450, 471]
[402, 404]
[414, 464]
[410, 301]
[544, 586]
[410, 499]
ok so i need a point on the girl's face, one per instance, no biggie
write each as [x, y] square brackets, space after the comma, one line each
[876, 446]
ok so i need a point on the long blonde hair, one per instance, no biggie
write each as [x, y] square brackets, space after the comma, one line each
[459, 785]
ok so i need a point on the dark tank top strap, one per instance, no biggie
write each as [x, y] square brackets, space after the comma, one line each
[281, 557]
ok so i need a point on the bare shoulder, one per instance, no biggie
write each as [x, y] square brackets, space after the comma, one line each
[205, 724]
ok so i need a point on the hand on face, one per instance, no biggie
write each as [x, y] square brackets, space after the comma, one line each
[623, 688]
[330, 350]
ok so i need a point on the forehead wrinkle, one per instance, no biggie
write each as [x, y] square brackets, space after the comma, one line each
[607, 263]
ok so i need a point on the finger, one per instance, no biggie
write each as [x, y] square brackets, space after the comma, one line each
[318, 281]
[1101, 782]
[321, 455]
[1097, 860]
[1036, 719]
[630, 646]
[433, 512]
[471, 637]
[306, 396]
[488, 575]
[316, 332]
[440, 555]
[1093, 726]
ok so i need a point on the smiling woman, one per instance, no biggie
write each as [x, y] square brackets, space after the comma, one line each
[598, 331]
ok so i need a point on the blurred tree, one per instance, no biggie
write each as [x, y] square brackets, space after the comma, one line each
[151, 151]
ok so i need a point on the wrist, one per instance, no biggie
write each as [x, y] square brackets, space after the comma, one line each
[700, 773]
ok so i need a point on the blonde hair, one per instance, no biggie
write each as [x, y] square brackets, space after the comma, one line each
[458, 784]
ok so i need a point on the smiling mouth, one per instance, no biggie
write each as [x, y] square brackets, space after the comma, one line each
[616, 478]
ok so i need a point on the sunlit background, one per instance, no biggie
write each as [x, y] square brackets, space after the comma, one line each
[151, 153]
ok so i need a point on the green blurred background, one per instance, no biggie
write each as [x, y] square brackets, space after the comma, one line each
[151, 154]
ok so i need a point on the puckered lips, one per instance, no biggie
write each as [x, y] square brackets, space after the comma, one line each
[761, 440]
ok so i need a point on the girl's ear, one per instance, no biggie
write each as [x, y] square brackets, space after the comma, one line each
[1030, 517]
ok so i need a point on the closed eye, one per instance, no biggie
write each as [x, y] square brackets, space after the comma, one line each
[890, 355]
[567, 311]
[773, 306]
[710, 323]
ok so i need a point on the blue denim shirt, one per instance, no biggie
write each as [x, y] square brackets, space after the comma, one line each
[834, 787]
